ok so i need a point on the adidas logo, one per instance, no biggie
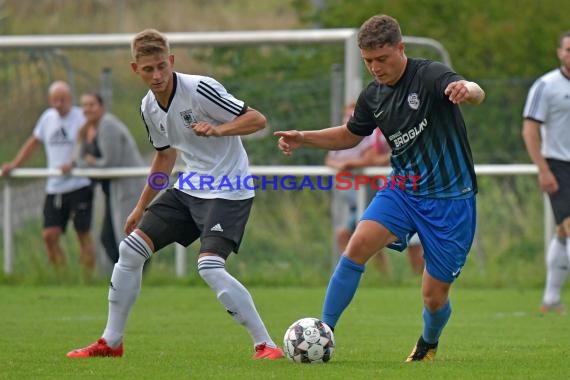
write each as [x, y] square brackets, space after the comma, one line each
[217, 227]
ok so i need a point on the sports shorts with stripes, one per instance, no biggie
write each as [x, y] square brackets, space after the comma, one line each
[560, 200]
[179, 217]
[445, 226]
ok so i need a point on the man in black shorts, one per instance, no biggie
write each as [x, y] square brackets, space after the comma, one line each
[546, 134]
[196, 116]
[67, 197]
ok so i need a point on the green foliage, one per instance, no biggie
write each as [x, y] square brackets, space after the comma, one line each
[486, 39]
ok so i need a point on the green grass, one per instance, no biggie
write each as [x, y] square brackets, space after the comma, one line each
[178, 332]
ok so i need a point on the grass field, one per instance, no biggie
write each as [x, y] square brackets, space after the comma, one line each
[183, 333]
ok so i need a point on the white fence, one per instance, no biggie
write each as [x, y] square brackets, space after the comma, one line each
[481, 170]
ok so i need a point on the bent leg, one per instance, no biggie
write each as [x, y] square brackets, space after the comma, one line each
[230, 292]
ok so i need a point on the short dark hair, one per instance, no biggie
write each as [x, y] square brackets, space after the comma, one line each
[563, 35]
[378, 31]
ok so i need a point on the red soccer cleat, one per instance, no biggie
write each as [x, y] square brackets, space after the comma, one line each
[557, 308]
[99, 348]
[263, 351]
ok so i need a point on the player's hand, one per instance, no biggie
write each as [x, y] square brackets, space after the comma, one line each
[7, 168]
[547, 182]
[133, 220]
[204, 129]
[457, 92]
[336, 165]
[66, 168]
[289, 141]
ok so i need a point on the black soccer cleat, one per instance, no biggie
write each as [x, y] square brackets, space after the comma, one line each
[422, 352]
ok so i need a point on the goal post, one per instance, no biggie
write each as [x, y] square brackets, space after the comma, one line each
[351, 87]
[352, 59]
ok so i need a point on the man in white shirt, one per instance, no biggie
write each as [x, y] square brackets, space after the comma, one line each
[66, 196]
[196, 116]
[546, 133]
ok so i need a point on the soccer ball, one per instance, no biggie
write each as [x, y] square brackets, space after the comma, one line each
[309, 340]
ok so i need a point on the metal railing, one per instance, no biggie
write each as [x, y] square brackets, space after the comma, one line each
[180, 261]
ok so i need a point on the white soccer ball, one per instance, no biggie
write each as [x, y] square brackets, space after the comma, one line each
[309, 340]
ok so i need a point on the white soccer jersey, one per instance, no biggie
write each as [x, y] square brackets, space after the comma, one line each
[548, 102]
[59, 135]
[216, 167]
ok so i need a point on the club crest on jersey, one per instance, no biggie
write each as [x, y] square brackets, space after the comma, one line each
[414, 101]
[188, 118]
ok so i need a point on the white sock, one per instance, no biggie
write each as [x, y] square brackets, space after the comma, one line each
[125, 286]
[556, 271]
[235, 298]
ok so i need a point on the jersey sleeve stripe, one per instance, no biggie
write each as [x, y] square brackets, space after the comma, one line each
[211, 94]
[146, 126]
[536, 99]
[148, 134]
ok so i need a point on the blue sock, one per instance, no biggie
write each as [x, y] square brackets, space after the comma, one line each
[341, 289]
[435, 322]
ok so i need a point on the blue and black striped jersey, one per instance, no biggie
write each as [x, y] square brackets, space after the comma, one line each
[425, 130]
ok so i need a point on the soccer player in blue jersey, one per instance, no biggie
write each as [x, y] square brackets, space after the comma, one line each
[415, 103]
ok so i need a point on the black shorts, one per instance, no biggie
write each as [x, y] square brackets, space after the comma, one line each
[560, 200]
[178, 217]
[77, 204]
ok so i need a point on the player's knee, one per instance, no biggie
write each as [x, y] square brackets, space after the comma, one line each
[132, 253]
[434, 297]
[217, 245]
[208, 266]
[360, 250]
[51, 235]
[433, 304]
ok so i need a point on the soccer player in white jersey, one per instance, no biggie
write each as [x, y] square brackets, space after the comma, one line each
[197, 117]
[66, 196]
[546, 133]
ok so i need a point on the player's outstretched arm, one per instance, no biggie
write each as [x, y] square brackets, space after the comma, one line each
[29, 147]
[335, 138]
[463, 91]
[289, 141]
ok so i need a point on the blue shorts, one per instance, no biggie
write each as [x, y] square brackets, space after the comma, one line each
[446, 227]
